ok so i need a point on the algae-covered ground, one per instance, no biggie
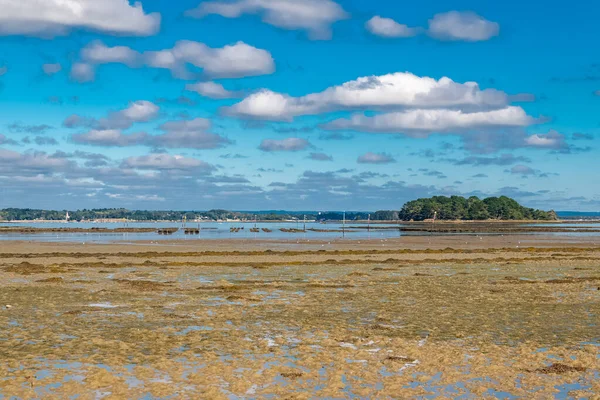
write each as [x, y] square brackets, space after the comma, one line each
[366, 322]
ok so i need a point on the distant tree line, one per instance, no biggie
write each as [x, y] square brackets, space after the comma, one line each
[445, 208]
[26, 214]
[473, 208]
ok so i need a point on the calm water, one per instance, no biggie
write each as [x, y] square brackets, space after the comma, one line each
[218, 230]
[209, 230]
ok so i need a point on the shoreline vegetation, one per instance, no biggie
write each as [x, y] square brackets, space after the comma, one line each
[452, 209]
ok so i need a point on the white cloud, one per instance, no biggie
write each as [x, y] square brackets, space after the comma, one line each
[166, 162]
[211, 90]
[48, 18]
[550, 140]
[98, 53]
[3, 70]
[421, 123]
[189, 134]
[36, 161]
[51, 69]
[139, 111]
[465, 26]
[375, 158]
[82, 72]
[314, 16]
[387, 27]
[401, 89]
[178, 134]
[231, 61]
[288, 144]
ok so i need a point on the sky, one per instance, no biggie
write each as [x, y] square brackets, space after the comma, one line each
[287, 105]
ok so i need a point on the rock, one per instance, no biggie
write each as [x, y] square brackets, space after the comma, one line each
[8, 306]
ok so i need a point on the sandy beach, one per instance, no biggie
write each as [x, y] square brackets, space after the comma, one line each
[412, 317]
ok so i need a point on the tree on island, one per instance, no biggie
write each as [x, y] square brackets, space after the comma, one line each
[458, 208]
[447, 208]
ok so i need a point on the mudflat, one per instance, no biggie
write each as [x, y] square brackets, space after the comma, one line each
[413, 317]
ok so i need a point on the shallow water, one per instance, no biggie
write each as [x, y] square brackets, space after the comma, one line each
[208, 230]
[222, 230]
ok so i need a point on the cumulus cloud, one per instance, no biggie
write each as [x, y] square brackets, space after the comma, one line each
[109, 138]
[397, 90]
[96, 184]
[422, 123]
[551, 140]
[50, 18]
[320, 157]
[190, 134]
[387, 27]
[465, 26]
[288, 144]
[211, 90]
[375, 158]
[166, 162]
[188, 184]
[136, 112]
[37, 162]
[231, 61]
[51, 69]
[98, 53]
[313, 16]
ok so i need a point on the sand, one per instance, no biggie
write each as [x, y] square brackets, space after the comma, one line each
[400, 318]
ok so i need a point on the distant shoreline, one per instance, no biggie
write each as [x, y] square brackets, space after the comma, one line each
[372, 222]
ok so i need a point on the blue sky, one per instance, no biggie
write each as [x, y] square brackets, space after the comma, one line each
[276, 104]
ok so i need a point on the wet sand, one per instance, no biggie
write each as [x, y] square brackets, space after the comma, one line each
[413, 317]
